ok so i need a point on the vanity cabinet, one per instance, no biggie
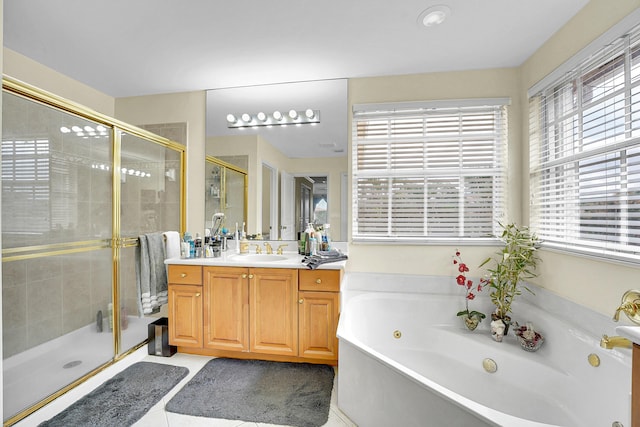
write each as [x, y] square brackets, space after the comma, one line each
[283, 314]
[319, 302]
[226, 308]
[185, 306]
[251, 309]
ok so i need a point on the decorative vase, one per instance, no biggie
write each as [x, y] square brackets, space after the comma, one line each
[506, 320]
[529, 339]
[471, 322]
[497, 330]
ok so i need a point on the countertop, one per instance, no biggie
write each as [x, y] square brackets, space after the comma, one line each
[231, 259]
[630, 332]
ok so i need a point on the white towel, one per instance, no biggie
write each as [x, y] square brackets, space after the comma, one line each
[172, 244]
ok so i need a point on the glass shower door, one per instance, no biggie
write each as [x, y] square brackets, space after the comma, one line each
[56, 249]
[150, 183]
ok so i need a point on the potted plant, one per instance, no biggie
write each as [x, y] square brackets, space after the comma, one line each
[471, 318]
[516, 261]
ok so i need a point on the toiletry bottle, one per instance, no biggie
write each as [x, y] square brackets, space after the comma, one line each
[197, 243]
[308, 235]
[192, 248]
[326, 238]
[184, 245]
[236, 239]
[313, 246]
[244, 244]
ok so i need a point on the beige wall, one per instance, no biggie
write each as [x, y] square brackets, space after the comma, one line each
[587, 281]
[24, 69]
[189, 108]
[497, 83]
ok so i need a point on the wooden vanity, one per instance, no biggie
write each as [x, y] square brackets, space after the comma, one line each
[281, 314]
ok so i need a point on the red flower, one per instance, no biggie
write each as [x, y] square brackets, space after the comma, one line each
[470, 295]
[463, 268]
[457, 253]
[479, 288]
[455, 261]
[469, 284]
[461, 280]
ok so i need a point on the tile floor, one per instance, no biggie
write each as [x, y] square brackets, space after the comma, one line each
[157, 416]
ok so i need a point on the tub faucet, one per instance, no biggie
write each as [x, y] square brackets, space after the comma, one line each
[612, 342]
[630, 305]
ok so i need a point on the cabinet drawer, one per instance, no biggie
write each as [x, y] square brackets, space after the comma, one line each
[319, 280]
[185, 274]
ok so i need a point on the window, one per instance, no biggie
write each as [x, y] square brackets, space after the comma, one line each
[585, 155]
[429, 171]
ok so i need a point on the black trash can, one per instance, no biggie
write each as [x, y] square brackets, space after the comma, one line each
[159, 339]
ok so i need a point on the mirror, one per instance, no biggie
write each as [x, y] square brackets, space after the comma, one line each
[280, 158]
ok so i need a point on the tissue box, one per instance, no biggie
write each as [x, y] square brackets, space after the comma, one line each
[159, 339]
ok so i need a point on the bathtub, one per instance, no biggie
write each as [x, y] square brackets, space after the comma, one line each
[406, 359]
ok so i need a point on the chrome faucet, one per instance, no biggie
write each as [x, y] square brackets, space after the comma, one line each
[612, 342]
[267, 245]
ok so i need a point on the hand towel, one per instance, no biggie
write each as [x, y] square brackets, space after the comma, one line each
[172, 244]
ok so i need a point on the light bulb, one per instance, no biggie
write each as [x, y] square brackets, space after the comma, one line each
[277, 115]
[293, 114]
[231, 118]
[262, 116]
[246, 118]
[309, 113]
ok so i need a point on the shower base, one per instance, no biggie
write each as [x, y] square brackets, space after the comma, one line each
[34, 374]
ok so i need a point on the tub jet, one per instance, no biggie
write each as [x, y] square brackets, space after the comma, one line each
[489, 365]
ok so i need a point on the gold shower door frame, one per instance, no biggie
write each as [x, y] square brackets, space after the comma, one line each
[117, 241]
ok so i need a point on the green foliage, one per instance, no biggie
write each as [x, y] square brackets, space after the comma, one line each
[516, 261]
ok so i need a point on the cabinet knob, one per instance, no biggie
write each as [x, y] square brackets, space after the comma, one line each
[197, 294]
[183, 275]
[301, 300]
[244, 275]
[251, 276]
[318, 281]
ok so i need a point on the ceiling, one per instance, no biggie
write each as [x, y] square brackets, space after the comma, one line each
[130, 48]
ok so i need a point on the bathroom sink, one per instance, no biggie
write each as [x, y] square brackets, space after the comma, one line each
[259, 258]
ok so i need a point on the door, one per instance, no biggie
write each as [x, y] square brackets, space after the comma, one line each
[226, 308]
[185, 315]
[318, 324]
[274, 311]
[287, 207]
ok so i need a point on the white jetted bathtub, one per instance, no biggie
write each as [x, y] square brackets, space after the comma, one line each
[407, 360]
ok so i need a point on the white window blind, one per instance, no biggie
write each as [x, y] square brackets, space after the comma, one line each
[430, 173]
[585, 155]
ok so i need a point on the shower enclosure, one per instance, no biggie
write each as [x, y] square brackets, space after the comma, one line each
[78, 188]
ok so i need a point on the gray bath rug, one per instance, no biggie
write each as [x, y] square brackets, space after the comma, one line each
[122, 400]
[293, 394]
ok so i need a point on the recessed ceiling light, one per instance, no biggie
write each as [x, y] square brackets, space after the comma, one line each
[434, 15]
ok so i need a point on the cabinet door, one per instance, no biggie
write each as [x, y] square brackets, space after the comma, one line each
[185, 315]
[319, 313]
[226, 308]
[274, 311]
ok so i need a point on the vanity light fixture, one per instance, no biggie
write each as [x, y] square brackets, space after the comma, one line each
[297, 117]
[434, 15]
